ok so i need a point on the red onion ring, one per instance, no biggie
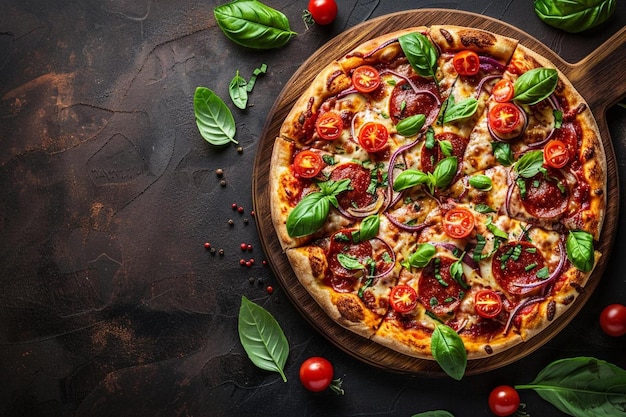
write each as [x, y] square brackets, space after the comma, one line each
[370, 209]
[499, 139]
[519, 307]
[413, 86]
[556, 106]
[485, 80]
[405, 227]
[392, 253]
[489, 64]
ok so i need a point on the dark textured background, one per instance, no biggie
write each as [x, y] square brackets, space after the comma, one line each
[109, 303]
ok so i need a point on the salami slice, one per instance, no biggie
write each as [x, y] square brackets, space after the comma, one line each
[545, 196]
[438, 291]
[433, 154]
[515, 264]
[360, 179]
[417, 97]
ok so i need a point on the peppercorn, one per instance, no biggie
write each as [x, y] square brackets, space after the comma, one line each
[220, 252]
[239, 149]
[223, 183]
[219, 172]
[231, 222]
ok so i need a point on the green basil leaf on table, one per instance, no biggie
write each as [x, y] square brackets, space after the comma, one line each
[252, 24]
[449, 351]
[238, 91]
[255, 74]
[574, 15]
[213, 118]
[420, 52]
[411, 125]
[262, 338]
[461, 110]
[582, 386]
[535, 85]
[579, 248]
[434, 413]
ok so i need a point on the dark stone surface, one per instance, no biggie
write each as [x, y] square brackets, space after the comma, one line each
[109, 302]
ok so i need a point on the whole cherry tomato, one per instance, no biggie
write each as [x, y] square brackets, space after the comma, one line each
[323, 12]
[316, 373]
[613, 320]
[503, 400]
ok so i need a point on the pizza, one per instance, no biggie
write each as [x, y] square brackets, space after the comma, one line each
[440, 175]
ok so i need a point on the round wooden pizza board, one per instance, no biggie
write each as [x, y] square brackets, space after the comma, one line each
[596, 77]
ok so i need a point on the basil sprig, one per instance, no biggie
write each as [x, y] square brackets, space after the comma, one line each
[311, 212]
[535, 85]
[530, 164]
[252, 24]
[421, 53]
[411, 125]
[582, 386]
[421, 257]
[579, 248]
[367, 230]
[262, 338]
[449, 351]
[574, 16]
[213, 118]
[452, 110]
[441, 177]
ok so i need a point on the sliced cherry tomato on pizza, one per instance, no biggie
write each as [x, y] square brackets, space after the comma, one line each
[504, 117]
[466, 62]
[329, 125]
[487, 303]
[503, 91]
[458, 222]
[373, 136]
[308, 164]
[403, 298]
[366, 78]
[555, 154]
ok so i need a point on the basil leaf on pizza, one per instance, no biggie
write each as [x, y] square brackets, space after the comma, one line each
[411, 125]
[580, 252]
[444, 172]
[449, 351]
[530, 164]
[461, 110]
[410, 178]
[421, 54]
[535, 85]
[368, 229]
[421, 257]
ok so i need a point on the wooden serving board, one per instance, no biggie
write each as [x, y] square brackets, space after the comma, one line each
[597, 78]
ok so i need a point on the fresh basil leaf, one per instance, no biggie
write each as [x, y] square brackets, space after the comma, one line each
[238, 92]
[349, 262]
[420, 52]
[503, 153]
[213, 118]
[255, 74]
[497, 232]
[530, 164]
[444, 171]
[535, 85]
[434, 413]
[558, 119]
[457, 274]
[334, 187]
[368, 229]
[483, 208]
[422, 256]
[252, 24]
[481, 182]
[461, 110]
[574, 15]
[430, 138]
[411, 125]
[309, 215]
[446, 147]
[579, 248]
[262, 338]
[582, 386]
[409, 178]
[449, 351]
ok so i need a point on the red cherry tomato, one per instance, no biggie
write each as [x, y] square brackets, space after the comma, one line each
[329, 126]
[555, 154]
[323, 12]
[503, 91]
[613, 320]
[458, 222]
[504, 117]
[466, 62]
[308, 164]
[373, 136]
[503, 401]
[316, 374]
[366, 78]
[403, 298]
[487, 303]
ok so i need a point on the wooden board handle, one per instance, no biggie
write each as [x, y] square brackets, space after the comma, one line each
[601, 76]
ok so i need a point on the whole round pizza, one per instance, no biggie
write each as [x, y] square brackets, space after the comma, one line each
[440, 176]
